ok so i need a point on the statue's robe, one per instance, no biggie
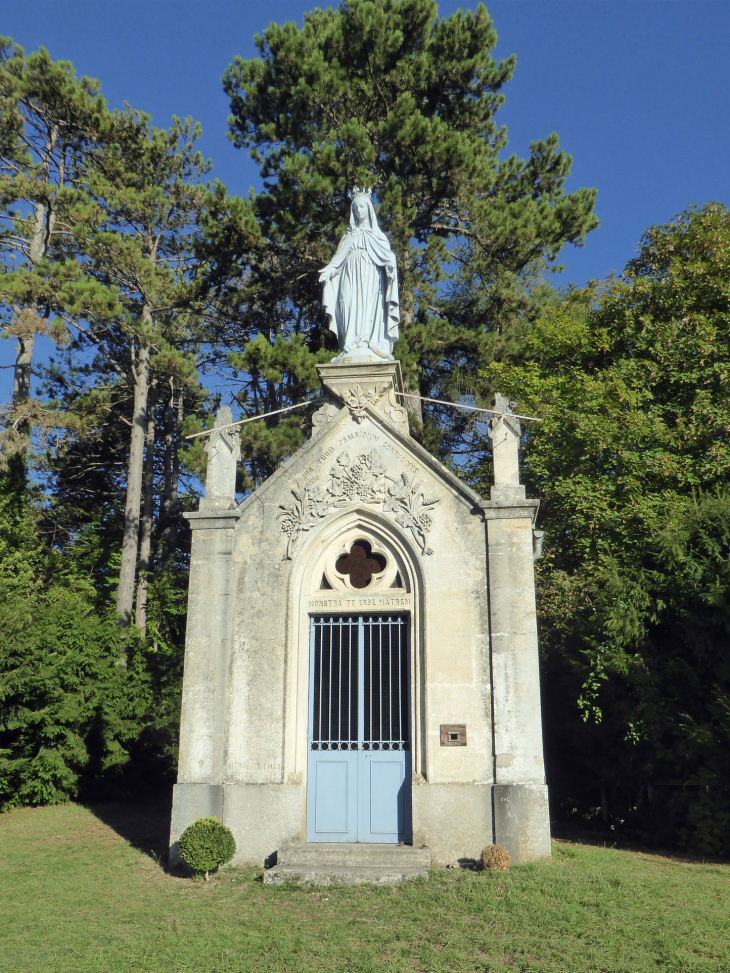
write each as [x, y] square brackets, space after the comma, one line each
[361, 299]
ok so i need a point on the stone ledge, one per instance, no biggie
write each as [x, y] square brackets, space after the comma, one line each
[496, 510]
[321, 854]
[343, 875]
[348, 863]
[212, 520]
[339, 378]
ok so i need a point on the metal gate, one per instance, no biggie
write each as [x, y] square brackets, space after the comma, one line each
[359, 767]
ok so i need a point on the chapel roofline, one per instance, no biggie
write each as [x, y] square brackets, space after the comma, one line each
[317, 441]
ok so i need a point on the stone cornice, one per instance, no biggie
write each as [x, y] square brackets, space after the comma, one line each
[498, 510]
[212, 520]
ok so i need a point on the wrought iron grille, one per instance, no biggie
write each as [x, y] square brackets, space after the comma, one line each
[360, 684]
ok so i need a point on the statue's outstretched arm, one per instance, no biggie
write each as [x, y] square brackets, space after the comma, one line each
[335, 265]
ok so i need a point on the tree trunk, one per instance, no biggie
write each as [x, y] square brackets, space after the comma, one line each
[44, 222]
[145, 536]
[125, 594]
[414, 407]
[26, 344]
[175, 491]
[23, 365]
[166, 502]
[171, 475]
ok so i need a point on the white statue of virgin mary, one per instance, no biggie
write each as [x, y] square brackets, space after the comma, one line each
[361, 287]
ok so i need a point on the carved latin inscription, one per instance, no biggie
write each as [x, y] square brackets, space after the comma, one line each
[346, 602]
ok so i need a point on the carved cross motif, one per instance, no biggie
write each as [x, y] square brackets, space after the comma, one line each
[360, 564]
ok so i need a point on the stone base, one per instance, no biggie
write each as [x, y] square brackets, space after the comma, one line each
[322, 863]
[359, 356]
[522, 821]
[260, 816]
[453, 820]
[190, 802]
[340, 377]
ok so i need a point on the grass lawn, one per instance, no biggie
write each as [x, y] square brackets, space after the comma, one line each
[81, 892]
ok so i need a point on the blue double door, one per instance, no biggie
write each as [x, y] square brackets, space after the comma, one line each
[359, 766]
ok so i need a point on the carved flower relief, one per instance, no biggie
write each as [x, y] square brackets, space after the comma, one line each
[357, 400]
[355, 480]
[363, 479]
[408, 504]
[301, 516]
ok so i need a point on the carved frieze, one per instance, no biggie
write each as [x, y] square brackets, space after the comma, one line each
[362, 479]
[356, 400]
[410, 507]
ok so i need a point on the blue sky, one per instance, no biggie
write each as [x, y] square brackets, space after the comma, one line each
[638, 91]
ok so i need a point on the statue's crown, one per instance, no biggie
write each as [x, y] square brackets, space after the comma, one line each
[356, 191]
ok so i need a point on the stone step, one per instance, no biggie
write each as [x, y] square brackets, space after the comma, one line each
[343, 874]
[319, 854]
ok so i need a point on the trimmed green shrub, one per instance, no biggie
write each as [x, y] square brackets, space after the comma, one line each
[206, 844]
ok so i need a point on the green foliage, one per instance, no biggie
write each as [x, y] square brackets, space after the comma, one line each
[85, 709]
[68, 709]
[18, 551]
[53, 128]
[279, 372]
[98, 221]
[631, 461]
[206, 844]
[630, 377]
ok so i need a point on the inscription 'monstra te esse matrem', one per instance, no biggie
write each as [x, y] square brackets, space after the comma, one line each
[382, 601]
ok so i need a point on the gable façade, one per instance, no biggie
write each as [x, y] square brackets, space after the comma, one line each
[360, 458]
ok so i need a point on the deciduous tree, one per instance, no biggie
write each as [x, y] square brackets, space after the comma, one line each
[632, 462]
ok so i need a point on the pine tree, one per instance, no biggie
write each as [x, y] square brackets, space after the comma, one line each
[388, 95]
[149, 197]
[53, 126]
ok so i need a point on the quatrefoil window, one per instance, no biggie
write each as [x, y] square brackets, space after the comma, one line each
[360, 564]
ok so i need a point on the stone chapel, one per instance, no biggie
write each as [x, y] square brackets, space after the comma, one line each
[361, 683]
[361, 656]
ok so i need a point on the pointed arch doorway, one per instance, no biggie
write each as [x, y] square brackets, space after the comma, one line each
[359, 750]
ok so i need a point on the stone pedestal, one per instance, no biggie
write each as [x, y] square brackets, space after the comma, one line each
[199, 789]
[521, 816]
